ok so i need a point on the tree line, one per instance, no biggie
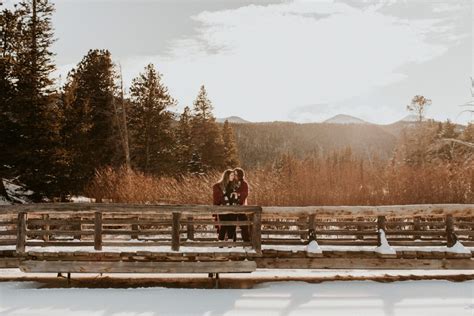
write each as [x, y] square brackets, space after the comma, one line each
[55, 138]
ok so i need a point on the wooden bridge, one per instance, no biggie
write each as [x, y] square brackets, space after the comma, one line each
[125, 238]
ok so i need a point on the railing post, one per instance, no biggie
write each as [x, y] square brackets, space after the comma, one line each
[451, 237]
[416, 227]
[98, 231]
[312, 227]
[135, 228]
[190, 228]
[303, 218]
[175, 231]
[257, 231]
[21, 233]
[46, 226]
[380, 226]
[359, 228]
[77, 226]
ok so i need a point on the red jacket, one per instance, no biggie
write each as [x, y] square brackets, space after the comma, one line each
[217, 195]
[243, 191]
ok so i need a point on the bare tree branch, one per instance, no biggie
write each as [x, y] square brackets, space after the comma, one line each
[457, 141]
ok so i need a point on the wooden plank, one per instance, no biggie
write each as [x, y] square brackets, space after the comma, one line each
[175, 231]
[79, 208]
[399, 223]
[59, 232]
[283, 232]
[346, 223]
[67, 222]
[98, 231]
[137, 267]
[59, 243]
[21, 233]
[135, 221]
[464, 232]
[417, 243]
[7, 242]
[9, 263]
[408, 211]
[7, 223]
[414, 232]
[8, 232]
[347, 232]
[215, 244]
[281, 223]
[135, 244]
[213, 222]
[142, 232]
[432, 210]
[363, 263]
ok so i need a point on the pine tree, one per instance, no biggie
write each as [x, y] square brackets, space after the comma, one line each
[90, 131]
[33, 108]
[207, 138]
[184, 140]
[150, 124]
[8, 127]
[230, 147]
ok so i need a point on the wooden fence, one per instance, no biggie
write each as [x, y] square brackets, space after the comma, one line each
[129, 237]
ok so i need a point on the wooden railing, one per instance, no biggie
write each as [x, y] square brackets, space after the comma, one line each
[119, 225]
[408, 225]
[98, 228]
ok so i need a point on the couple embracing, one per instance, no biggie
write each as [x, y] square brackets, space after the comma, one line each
[231, 189]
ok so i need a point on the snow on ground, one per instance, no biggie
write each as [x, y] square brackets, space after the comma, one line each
[141, 246]
[81, 199]
[283, 298]
[259, 274]
[384, 248]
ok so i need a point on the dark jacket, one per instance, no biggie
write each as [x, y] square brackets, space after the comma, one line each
[217, 195]
[243, 191]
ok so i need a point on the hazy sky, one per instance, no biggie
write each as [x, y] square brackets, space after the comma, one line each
[285, 60]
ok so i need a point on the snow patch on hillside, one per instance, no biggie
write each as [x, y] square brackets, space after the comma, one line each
[16, 193]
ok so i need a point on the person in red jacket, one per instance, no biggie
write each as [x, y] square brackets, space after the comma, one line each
[223, 193]
[243, 192]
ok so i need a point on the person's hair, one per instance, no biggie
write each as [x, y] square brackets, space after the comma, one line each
[224, 180]
[240, 172]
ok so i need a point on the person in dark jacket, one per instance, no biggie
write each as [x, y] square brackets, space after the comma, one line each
[224, 193]
[243, 192]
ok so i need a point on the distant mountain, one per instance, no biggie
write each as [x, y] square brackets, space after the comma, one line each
[259, 144]
[232, 119]
[409, 118]
[345, 119]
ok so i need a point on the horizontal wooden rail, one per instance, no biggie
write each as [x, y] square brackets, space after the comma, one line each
[79, 208]
[405, 211]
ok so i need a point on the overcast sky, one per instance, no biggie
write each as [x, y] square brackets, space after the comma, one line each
[285, 60]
